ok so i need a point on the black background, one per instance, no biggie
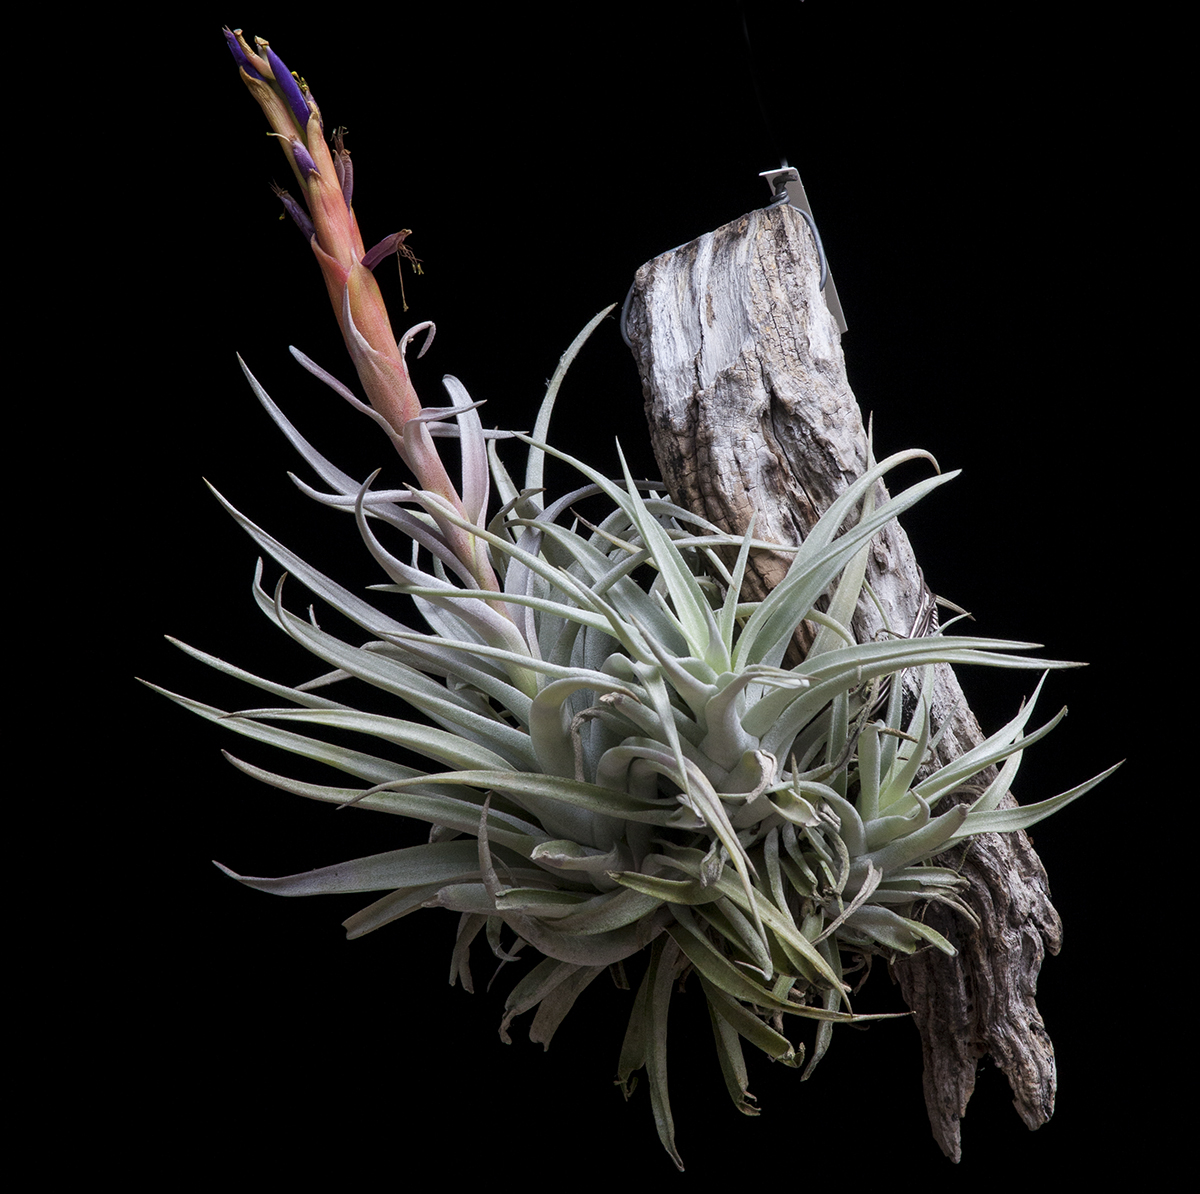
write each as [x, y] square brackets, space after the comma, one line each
[961, 166]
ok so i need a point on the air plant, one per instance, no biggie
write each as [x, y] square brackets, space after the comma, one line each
[617, 760]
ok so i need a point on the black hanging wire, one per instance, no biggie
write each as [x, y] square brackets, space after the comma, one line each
[780, 182]
[756, 83]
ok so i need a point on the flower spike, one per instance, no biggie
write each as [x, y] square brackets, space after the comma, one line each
[324, 215]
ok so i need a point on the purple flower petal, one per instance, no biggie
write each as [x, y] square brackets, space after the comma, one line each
[386, 247]
[296, 211]
[303, 158]
[239, 55]
[288, 85]
[344, 166]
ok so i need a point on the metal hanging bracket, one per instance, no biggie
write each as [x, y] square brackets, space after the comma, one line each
[786, 187]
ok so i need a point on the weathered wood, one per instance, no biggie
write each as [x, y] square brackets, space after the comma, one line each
[750, 413]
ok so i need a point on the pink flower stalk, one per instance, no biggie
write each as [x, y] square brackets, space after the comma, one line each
[326, 217]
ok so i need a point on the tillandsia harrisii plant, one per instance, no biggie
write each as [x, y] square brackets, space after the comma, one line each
[615, 766]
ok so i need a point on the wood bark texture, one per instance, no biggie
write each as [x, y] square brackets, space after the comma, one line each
[750, 413]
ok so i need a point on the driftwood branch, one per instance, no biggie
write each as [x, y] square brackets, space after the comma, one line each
[750, 414]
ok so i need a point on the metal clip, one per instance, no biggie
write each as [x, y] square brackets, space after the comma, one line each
[786, 187]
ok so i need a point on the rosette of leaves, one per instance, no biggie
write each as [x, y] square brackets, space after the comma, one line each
[618, 761]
